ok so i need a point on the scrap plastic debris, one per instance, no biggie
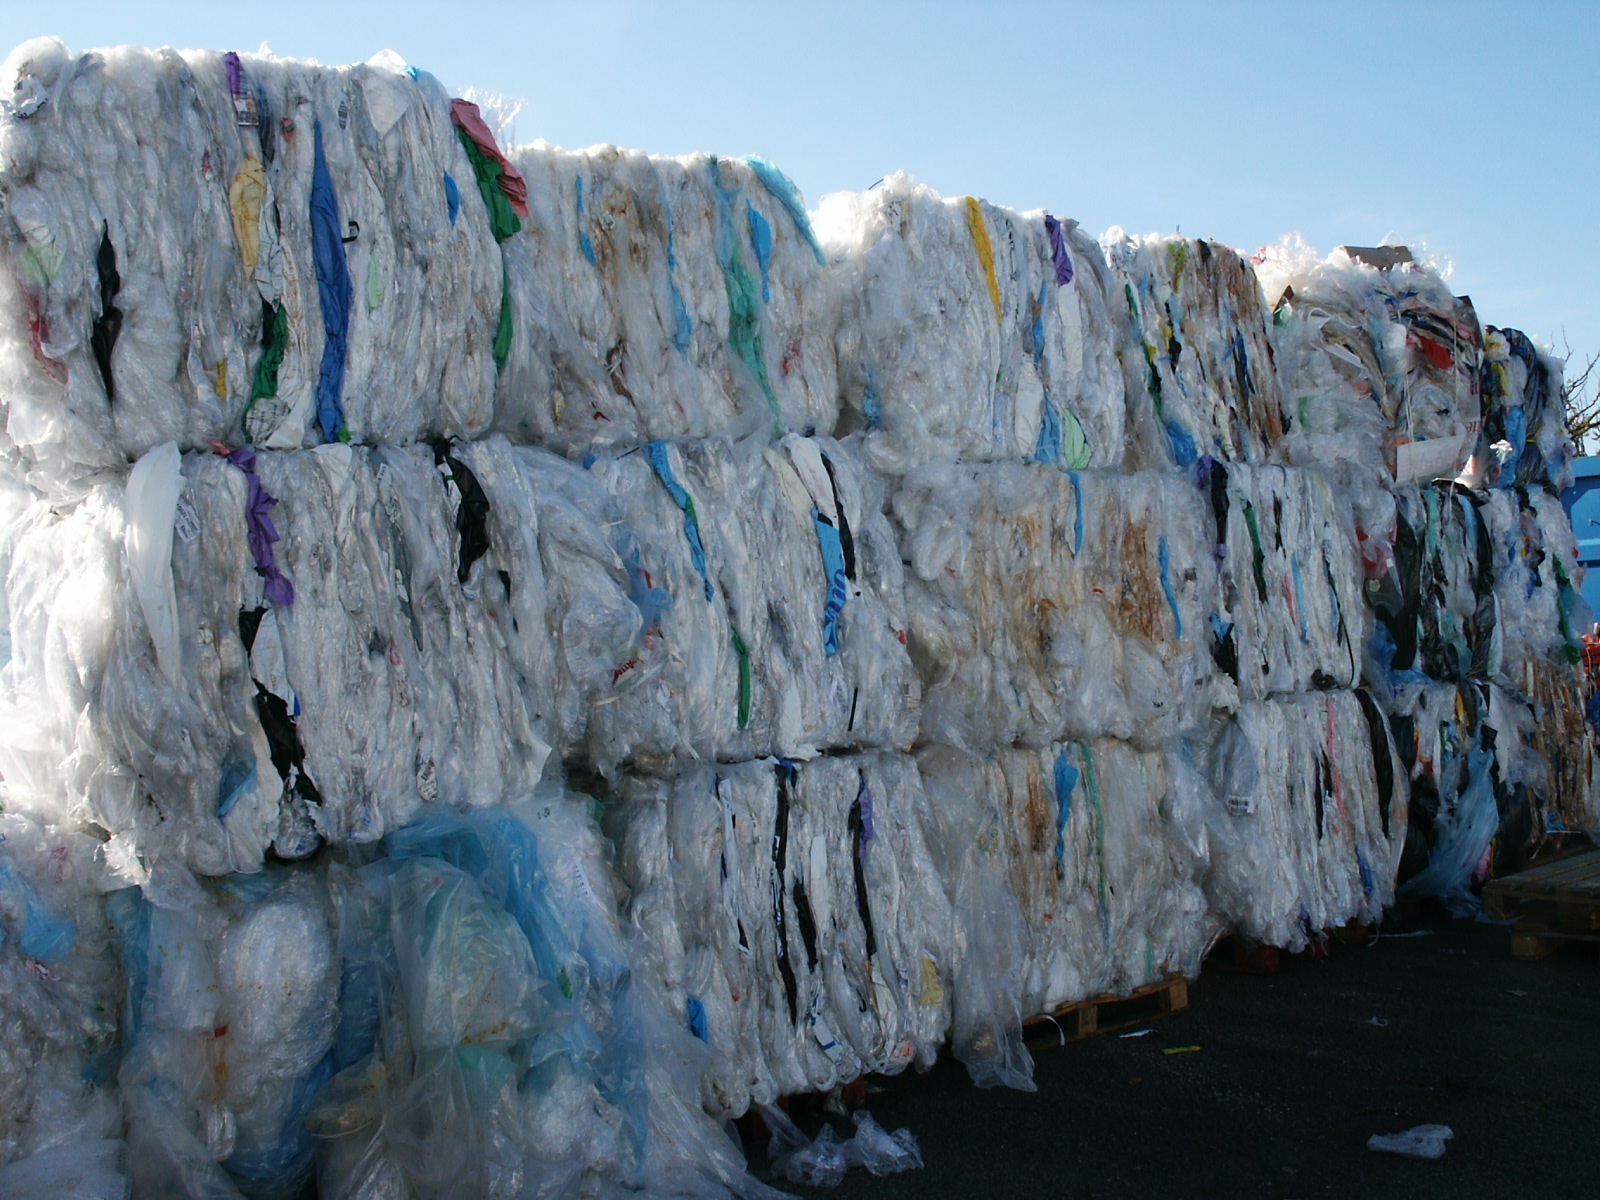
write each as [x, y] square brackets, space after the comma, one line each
[823, 1162]
[1422, 1141]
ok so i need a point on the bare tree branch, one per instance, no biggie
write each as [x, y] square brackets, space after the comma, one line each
[1580, 400]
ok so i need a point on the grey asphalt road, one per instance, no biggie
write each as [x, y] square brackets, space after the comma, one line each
[1291, 1078]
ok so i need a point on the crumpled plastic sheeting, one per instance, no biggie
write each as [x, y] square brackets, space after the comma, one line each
[1492, 770]
[1107, 887]
[1290, 613]
[420, 359]
[1478, 618]
[458, 1016]
[1525, 442]
[633, 315]
[1093, 539]
[58, 997]
[86, 1170]
[582, 627]
[1046, 605]
[1200, 372]
[664, 672]
[1373, 360]
[1302, 835]
[929, 367]
[823, 1162]
[395, 680]
[631, 311]
[752, 878]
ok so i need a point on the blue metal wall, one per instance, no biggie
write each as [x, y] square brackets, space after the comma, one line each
[1582, 502]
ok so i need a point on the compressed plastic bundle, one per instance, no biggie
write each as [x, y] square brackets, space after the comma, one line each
[1200, 371]
[231, 1004]
[290, 263]
[1481, 584]
[658, 297]
[1525, 442]
[333, 254]
[1290, 615]
[1108, 889]
[457, 1017]
[58, 996]
[726, 600]
[215, 706]
[1046, 605]
[91, 1169]
[363, 479]
[1380, 361]
[972, 330]
[796, 916]
[1305, 806]
[1493, 771]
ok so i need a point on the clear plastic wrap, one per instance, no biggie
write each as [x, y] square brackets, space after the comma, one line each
[797, 918]
[1380, 361]
[1199, 369]
[972, 330]
[1046, 605]
[1306, 804]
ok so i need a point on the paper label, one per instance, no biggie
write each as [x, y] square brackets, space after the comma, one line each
[428, 781]
[185, 521]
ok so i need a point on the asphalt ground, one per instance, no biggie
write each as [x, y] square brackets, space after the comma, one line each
[1294, 1072]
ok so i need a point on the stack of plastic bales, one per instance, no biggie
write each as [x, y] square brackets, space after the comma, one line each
[515, 655]
[302, 694]
[1472, 576]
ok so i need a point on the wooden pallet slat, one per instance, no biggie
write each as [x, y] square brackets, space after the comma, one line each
[1107, 1014]
[1552, 903]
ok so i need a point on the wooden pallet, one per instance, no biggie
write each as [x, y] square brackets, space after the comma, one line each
[1552, 903]
[1104, 1014]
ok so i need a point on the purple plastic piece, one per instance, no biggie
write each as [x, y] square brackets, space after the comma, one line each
[1058, 251]
[263, 533]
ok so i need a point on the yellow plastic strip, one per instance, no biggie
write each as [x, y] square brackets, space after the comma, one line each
[980, 242]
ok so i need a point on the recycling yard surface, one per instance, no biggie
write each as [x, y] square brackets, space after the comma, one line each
[1292, 1077]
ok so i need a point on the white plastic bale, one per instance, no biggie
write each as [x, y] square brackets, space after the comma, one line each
[1359, 336]
[1110, 904]
[931, 364]
[624, 316]
[64, 589]
[1047, 605]
[703, 856]
[232, 1002]
[426, 294]
[651, 685]
[1302, 838]
[989, 948]
[404, 683]
[1200, 378]
[1289, 581]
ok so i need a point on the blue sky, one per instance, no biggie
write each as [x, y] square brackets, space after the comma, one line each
[1469, 127]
